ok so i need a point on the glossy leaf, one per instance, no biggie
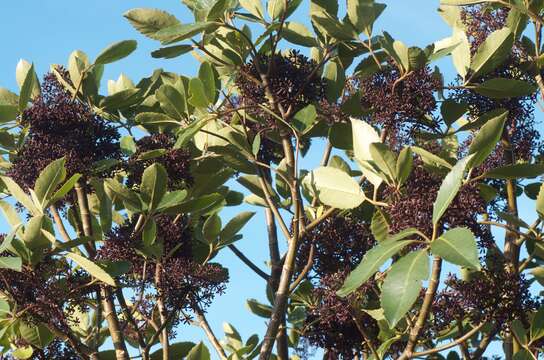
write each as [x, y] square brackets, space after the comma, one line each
[402, 285]
[211, 228]
[457, 246]
[492, 52]
[92, 268]
[371, 262]
[449, 188]
[149, 232]
[486, 139]
[503, 88]
[363, 136]
[199, 352]
[334, 188]
[516, 171]
[150, 21]
[235, 225]
[153, 186]
[116, 51]
[49, 179]
[11, 262]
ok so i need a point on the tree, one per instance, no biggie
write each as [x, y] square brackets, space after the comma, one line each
[114, 234]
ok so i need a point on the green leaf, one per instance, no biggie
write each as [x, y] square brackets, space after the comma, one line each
[149, 232]
[171, 52]
[29, 89]
[523, 354]
[121, 99]
[540, 201]
[492, 52]
[516, 171]
[430, 158]
[172, 101]
[405, 163]
[181, 32]
[197, 92]
[304, 118]
[199, 352]
[49, 179]
[276, 8]
[235, 225]
[254, 7]
[463, 2]
[23, 353]
[116, 51]
[371, 263]
[209, 78]
[150, 21]
[259, 309]
[363, 14]
[335, 78]
[449, 188]
[33, 236]
[457, 246]
[199, 204]
[36, 334]
[11, 262]
[298, 34]
[503, 88]
[537, 325]
[172, 199]
[402, 285]
[363, 136]
[211, 228]
[486, 139]
[379, 226]
[334, 188]
[128, 145]
[461, 54]
[177, 351]
[384, 159]
[451, 111]
[19, 195]
[8, 113]
[152, 119]
[153, 186]
[65, 188]
[92, 268]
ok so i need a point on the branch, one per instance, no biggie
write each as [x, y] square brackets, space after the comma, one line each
[203, 322]
[108, 305]
[449, 345]
[425, 309]
[248, 262]
[282, 294]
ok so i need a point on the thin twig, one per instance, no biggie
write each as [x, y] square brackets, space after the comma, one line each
[248, 262]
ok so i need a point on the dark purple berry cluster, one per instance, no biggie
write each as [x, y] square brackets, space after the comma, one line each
[175, 161]
[183, 281]
[59, 126]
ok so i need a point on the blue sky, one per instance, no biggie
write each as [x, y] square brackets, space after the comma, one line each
[46, 32]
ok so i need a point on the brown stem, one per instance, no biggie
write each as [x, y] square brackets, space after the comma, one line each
[248, 262]
[129, 315]
[60, 225]
[108, 304]
[425, 309]
[203, 322]
[365, 336]
[458, 341]
[282, 294]
[484, 343]
[162, 315]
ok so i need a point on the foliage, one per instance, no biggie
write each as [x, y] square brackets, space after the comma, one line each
[114, 234]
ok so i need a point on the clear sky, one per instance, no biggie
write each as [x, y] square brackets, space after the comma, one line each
[47, 31]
